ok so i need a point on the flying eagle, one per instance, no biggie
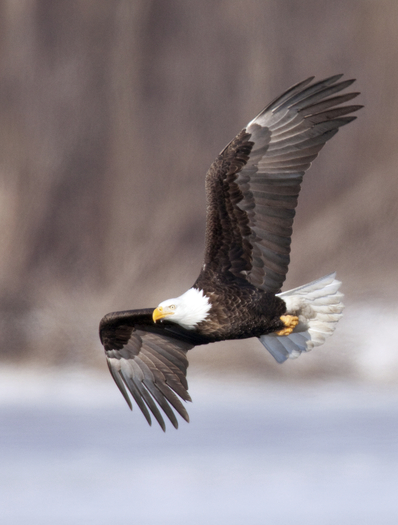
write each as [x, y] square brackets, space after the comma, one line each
[252, 189]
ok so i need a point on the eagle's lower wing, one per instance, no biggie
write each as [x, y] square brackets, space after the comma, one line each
[253, 185]
[150, 360]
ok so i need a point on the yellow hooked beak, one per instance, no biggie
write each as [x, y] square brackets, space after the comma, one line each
[161, 312]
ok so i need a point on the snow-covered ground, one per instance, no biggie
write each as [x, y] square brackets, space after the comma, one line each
[72, 453]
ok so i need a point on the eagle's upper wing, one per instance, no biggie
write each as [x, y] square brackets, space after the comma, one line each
[150, 360]
[253, 185]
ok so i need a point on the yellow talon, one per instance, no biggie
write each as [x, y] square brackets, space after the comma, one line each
[290, 322]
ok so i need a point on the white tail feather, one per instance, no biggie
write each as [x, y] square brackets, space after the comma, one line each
[318, 306]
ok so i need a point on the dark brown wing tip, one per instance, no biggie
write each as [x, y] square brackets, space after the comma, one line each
[119, 384]
[151, 404]
[162, 424]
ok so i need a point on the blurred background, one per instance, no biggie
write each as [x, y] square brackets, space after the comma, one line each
[111, 113]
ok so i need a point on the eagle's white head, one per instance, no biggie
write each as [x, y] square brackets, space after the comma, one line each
[187, 310]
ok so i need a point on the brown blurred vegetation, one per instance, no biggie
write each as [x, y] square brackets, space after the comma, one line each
[111, 113]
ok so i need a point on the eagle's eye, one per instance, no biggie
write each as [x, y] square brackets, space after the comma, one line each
[172, 307]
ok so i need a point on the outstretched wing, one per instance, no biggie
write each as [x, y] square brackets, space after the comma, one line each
[253, 185]
[150, 360]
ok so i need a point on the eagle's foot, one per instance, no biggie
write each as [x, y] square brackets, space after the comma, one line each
[290, 322]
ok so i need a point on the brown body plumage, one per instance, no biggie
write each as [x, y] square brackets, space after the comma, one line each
[238, 309]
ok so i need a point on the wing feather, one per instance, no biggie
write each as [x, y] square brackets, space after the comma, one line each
[253, 185]
[149, 361]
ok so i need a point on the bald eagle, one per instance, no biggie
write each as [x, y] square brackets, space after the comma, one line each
[252, 189]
